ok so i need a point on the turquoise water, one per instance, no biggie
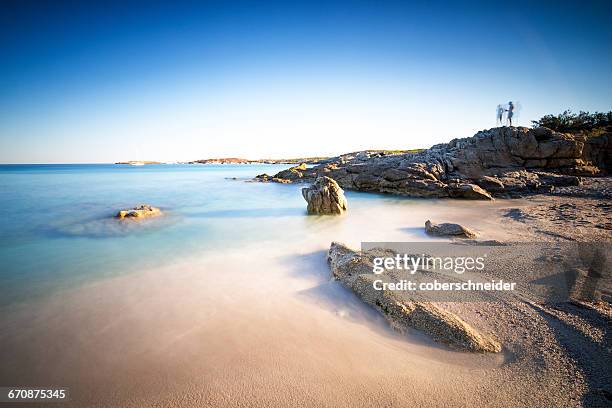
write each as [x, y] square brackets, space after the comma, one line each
[57, 228]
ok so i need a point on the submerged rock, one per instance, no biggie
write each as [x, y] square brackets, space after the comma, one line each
[354, 269]
[142, 211]
[449, 230]
[325, 197]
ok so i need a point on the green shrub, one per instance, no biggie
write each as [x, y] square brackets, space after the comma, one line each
[575, 122]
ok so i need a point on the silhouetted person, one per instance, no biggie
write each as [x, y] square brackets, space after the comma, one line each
[500, 115]
[510, 111]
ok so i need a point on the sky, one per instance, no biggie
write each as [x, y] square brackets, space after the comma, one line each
[87, 82]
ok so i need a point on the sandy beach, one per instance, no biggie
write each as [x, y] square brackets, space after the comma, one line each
[305, 204]
[265, 326]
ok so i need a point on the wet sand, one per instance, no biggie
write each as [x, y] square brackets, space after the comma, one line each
[260, 326]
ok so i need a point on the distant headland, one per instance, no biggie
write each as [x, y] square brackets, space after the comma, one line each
[237, 160]
[138, 162]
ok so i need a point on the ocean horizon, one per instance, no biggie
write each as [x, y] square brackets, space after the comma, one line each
[436, 230]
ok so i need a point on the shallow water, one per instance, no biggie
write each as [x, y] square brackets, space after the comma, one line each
[228, 293]
[57, 228]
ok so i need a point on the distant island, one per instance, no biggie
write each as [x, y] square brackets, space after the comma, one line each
[139, 162]
[237, 160]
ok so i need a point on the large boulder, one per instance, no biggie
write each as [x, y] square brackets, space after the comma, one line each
[447, 229]
[354, 270]
[325, 197]
[141, 211]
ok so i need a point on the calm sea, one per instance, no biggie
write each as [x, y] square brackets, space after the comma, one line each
[57, 228]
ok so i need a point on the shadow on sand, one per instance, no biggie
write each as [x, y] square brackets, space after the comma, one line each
[593, 358]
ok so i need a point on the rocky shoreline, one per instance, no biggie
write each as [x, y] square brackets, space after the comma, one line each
[566, 343]
[502, 162]
[354, 270]
[566, 181]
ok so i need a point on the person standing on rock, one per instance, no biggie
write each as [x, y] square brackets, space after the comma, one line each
[500, 115]
[510, 111]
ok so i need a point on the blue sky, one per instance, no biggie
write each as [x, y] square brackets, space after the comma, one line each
[86, 82]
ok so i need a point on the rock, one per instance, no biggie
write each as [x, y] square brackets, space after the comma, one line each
[501, 162]
[598, 151]
[487, 242]
[558, 180]
[142, 211]
[468, 191]
[449, 230]
[583, 170]
[281, 180]
[518, 183]
[325, 197]
[295, 172]
[354, 270]
[263, 177]
[492, 184]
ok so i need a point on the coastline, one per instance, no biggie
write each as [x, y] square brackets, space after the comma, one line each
[288, 327]
[294, 204]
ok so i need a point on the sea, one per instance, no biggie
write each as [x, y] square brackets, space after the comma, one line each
[57, 225]
[229, 293]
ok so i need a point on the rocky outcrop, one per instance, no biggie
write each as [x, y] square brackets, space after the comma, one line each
[598, 151]
[502, 162]
[449, 230]
[141, 211]
[264, 178]
[354, 269]
[292, 173]
[468, 191]
[325, 197]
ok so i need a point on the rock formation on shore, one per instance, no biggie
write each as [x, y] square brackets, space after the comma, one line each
[141, 211]
[325, 197]
[264, 178]
[502, 162]
[449, 230]
[354, 269]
